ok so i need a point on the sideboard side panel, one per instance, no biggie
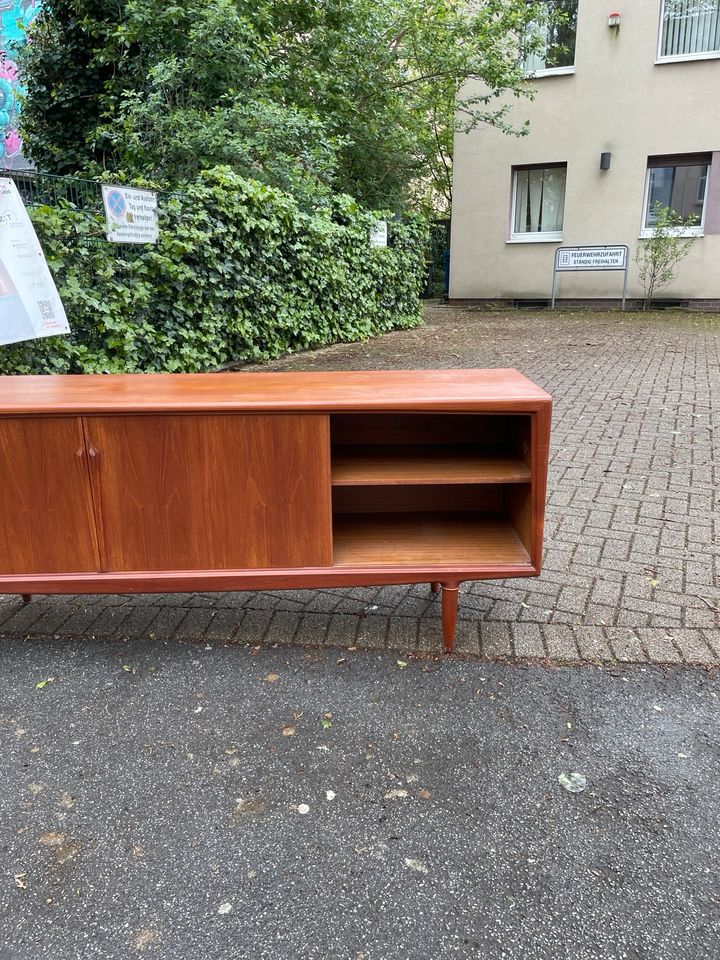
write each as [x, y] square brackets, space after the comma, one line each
[46, 516]
[211, 492]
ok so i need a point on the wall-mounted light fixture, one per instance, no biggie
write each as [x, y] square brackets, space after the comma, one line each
[605, 159]
[614, 20]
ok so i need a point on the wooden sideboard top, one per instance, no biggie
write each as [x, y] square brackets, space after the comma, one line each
[493, 389]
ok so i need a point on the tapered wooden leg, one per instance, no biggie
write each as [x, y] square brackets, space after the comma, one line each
[449, 615]
[26, 597]
[435, 587]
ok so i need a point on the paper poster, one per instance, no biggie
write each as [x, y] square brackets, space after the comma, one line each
[30, 306]
[131, 214]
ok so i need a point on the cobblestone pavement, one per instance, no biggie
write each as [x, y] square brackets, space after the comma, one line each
[632, 559]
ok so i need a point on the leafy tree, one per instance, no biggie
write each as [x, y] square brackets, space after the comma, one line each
[353, 96]
[660, 254]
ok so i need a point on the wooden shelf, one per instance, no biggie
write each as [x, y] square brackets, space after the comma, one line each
[382, 465]
[408, 539]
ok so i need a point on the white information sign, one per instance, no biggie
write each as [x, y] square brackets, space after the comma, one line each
[607, 257]
[131, 214]
[379, 234]
[30, 306]
[591, 258]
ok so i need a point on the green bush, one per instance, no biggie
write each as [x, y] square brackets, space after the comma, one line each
[240, 273]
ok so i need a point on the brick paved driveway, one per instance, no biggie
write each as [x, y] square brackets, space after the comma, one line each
[632, 564]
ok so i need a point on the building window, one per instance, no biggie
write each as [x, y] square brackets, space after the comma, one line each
[680, 184]
[538, 202]
[689, 28]
[555, 40]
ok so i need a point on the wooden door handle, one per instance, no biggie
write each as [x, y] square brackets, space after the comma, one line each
[93, 451]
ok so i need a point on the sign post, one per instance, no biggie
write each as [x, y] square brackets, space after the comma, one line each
[576, 259]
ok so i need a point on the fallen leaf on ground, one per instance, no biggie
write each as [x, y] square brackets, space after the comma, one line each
[225, 908]
[424, 794]
[20, 880]
[67, 801]
[572, 782]
[144, 939]
[396, 794]
[246, 807]
[43, 683]
[288, 731]
[416, 865]
[52, 839]
[271, 677]
[401, 663]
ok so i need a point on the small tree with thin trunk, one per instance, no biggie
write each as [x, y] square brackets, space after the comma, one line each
[659, 255]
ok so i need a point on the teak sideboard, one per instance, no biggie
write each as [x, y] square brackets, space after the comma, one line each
[241, 481]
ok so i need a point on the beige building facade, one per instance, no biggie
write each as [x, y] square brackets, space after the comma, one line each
[624, 124]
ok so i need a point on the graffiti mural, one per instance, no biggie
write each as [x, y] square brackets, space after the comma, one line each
[15, 16]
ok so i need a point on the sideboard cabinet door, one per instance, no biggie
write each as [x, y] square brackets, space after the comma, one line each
[46, 515]
[211, 491]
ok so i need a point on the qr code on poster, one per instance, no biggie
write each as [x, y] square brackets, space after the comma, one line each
[46, 309]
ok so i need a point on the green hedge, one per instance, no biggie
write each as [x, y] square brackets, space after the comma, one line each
[240, 273]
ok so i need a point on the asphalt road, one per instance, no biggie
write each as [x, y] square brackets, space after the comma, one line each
[154, 796]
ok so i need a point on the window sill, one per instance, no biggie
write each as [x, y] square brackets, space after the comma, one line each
[550, 72]
[536, 238]
[688, 57]
[681, 235]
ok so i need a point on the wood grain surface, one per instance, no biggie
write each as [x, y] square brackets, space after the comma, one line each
[211, 492]
[439, 465]
[46, 518]
[494, 389]
[469, 540]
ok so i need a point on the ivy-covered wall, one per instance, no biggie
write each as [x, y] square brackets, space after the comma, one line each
[240, 273]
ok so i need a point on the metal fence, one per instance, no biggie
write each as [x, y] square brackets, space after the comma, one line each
[39, 189]
[48, 189]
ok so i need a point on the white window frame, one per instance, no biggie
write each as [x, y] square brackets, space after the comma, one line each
[546, 236]
[550, 72]
[678, 57]
[647, 232]
[554, 71]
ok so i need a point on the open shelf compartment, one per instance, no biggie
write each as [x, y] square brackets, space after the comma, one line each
[438, 490]
[410, 464]
[435, 539]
